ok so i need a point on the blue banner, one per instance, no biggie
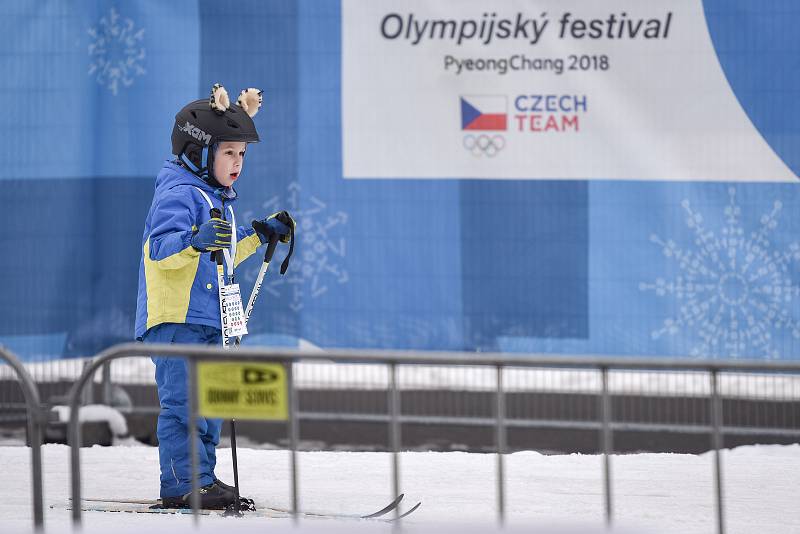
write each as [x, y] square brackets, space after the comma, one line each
[401, 243]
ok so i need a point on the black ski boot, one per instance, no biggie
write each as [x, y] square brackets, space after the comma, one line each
[212, 497]
[244, 502]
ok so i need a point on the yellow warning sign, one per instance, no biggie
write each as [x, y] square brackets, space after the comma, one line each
[240, 390]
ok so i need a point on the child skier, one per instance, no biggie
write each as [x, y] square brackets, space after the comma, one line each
[178, 300]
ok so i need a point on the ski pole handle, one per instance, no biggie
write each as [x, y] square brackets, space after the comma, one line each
[263, 229]
[273, 243]
[217, 254]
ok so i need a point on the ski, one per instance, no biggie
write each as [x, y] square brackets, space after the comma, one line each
[374, 515]
[146, 508]
[409, 511]
[153, 506]
[386, 509]
[122, 501]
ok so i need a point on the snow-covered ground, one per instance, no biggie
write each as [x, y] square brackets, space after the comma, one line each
[658, 493]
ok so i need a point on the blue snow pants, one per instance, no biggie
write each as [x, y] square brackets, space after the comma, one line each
[172, 431]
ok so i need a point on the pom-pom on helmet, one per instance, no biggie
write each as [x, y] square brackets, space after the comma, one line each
[203, 123]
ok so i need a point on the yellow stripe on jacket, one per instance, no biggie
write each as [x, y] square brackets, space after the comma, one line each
[245, 248]
[169, 285]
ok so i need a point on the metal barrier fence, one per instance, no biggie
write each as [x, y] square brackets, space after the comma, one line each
[655, 411]
[53, 379]
[33, 406]
[663, 410]
[501, 364]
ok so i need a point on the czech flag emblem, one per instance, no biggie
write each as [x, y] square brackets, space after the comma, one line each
[483, 113]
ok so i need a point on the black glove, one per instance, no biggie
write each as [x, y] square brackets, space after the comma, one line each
[280, 224]
[214, 234]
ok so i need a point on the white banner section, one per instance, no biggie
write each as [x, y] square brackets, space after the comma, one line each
[545, 89]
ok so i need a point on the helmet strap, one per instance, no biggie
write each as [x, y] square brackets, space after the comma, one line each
[204, 172]
[208, 164]
[204, 158]
[188, 163]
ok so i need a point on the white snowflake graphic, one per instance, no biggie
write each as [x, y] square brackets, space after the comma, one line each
[116, 53]
[734, 290]
[318, 249]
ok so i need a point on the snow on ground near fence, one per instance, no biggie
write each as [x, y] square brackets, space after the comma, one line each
[324, 375]
[95, 413]
[658, 493]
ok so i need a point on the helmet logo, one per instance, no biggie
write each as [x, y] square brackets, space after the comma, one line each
[196, 132]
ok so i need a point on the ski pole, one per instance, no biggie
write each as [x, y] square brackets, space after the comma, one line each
[263, 229]
[218, 256]
[273, 242]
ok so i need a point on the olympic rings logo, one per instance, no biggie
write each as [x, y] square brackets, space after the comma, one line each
[484, 145]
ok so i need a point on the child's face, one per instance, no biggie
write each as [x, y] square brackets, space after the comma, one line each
[228, 161]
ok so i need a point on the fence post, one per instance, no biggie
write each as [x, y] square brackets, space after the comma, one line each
[107, 384]
[193, 449]
[35, 433]
[35, 417]
[394, 431]
[74, 440]
[87, 396]
[294, 435]
[716, 436]
[607, 444]
[501, 447]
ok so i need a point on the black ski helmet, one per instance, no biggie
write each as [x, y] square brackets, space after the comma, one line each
[203, 123]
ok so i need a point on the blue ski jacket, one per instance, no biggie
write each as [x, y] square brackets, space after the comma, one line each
[177, 283]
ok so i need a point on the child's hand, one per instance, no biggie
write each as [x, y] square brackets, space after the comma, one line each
[214, 234]
[276, 224]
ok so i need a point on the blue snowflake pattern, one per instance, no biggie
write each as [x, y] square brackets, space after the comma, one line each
[319, 249]
[116, 54]
[734, 291]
